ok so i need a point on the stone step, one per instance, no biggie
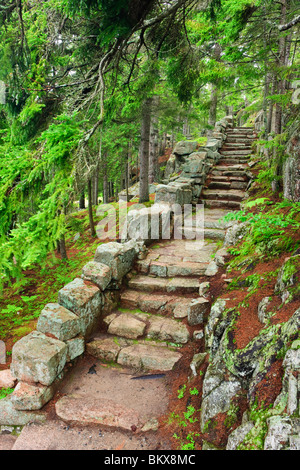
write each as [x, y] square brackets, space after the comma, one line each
[236, 159]
[214, 178]
[138, 325]
[234, 152]
[240, 130]
[208, 233]
[218, 185]
[237, 167]
[232, 145]
[140, 355]
[176, 285]
[230, 195]
[159, 304]
[214, 218]
[232, 161]
[239, 135]
[173, 268]
[222, 204]
[186, 255]
[225, 171]
[239, 140]
[227, 185]
[235, 155]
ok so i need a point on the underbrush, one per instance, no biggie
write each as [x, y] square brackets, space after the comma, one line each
[272, 229]
[23, 298]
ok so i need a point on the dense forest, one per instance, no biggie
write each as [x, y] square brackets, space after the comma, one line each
[94, 95]
[88, 84]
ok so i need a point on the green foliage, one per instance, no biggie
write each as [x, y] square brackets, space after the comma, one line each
[46, 175]
[181, 391]
[4, 392]
[270, 231]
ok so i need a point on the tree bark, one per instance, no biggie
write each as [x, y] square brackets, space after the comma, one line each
[153, 161]
[214, 91]
[91, 219]
[82, 201]
[282, 61]
[105, 181]
[144, 151]
[62, 248]
[213, 106]
[95, 187]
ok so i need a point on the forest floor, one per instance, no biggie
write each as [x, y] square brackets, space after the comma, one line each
[179, 428]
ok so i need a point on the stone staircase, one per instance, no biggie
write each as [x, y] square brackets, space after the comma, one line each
[157, 309]
[160, 305]
[161, 313]
[228, 180]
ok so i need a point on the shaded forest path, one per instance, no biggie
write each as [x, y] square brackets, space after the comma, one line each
[117, 395]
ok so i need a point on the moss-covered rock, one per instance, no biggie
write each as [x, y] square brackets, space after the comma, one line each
[287, 285]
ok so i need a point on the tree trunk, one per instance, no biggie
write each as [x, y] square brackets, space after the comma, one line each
[95, 187]
[91, 219]
[129, 158]
[214, 91]
[126, 177]
[144, 151]
[105, 180]
[62, 248]
[265, 103]
[213, 106]
[270, 114]
[82, 201]
[282, 61]
[153, 162]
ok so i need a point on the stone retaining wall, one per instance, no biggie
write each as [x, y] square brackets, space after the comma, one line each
[190, 164]
[40, 359]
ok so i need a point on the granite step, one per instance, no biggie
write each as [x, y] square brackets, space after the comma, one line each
[175, 285]
[162, 303]
[221, 204]
[230, 195]
[229, 171]
[238, 167]
[137, 325]
[208, 233]
[143, 354]
[227, 185]
[232, 145]
[246, 140]
[235, 152]
[228, 178]
[173, 268]
[232, 161]
[240, 130]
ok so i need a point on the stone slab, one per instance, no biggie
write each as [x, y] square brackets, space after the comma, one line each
[83, 299]
[98, 273]
[127, 326]
[38, 358]
[58, 321]
[31, 396]
[118, 256]
[12, 417]
[143, 357]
